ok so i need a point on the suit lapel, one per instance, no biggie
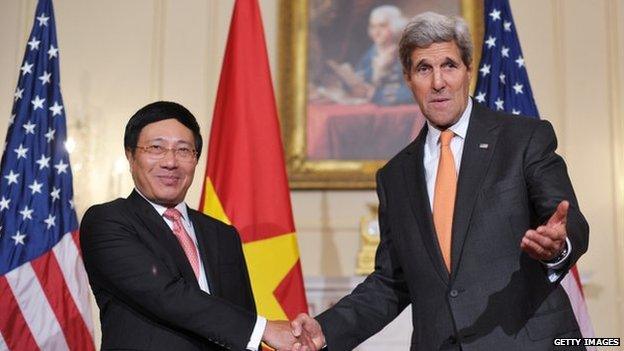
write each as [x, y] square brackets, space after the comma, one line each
[479, 147]
[156, 226]
[207, 241]
[414, 174]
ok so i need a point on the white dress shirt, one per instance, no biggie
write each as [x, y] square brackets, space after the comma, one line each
[202, 280]
[431, 159]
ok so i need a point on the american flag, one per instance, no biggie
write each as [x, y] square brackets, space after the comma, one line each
[43, 287]
[503, 85]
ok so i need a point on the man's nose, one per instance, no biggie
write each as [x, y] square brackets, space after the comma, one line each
[169, 159]
[439, 81]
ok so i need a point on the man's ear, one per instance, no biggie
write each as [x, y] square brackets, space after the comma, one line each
[129, 157]
[407, 77]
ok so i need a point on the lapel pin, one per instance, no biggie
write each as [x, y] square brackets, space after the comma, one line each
[483, 146]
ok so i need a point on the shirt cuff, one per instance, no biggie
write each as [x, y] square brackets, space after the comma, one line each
[553, 268]
[256, 334]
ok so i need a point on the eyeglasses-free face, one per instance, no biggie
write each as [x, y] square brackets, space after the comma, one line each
[162, 176]
[439, 81]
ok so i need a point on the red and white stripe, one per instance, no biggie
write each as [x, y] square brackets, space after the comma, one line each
[572, 285]
[45, 304]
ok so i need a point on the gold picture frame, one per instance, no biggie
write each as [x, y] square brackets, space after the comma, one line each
[305, 173]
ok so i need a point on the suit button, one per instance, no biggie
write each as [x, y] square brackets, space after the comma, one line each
[453, 293]
[452, 340]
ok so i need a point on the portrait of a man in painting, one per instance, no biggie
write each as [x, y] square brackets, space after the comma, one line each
[358, 105]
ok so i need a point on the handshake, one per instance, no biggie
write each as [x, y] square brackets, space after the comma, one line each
[301, 334]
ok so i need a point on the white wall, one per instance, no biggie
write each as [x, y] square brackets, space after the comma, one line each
[117, 55]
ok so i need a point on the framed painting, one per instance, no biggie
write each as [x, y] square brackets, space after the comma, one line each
[343, 103]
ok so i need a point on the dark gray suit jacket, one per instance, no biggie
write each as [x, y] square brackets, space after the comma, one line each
[146, 290]
[496, 298]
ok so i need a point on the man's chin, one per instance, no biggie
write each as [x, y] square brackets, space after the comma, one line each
[442, 122]
[168, 200]
[441, 125]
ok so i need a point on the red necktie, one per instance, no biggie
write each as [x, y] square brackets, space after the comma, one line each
[183, 238]
[444, 196]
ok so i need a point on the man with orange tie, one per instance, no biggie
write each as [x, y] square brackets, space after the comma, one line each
[167, 277]
[479, 221]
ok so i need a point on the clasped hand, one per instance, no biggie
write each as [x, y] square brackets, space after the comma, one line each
[301, 334]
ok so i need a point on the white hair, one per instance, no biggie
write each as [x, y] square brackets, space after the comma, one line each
[430, 27]
[393, 15]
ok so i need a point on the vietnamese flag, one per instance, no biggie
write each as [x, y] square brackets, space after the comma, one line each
[246, 183]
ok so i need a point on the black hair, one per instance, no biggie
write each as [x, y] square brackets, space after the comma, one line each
[158, 111]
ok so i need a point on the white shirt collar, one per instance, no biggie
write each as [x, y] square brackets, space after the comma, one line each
[161, 209]
[459, 128]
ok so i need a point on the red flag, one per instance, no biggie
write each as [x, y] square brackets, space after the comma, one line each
[246, 183]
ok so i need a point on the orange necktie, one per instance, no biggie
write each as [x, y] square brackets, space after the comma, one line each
[444, 196]
[183, 238]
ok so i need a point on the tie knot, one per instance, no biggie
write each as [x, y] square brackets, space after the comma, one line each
[172, 214]
[446, 136]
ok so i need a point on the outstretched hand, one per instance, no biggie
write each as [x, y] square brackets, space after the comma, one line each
[547, 241]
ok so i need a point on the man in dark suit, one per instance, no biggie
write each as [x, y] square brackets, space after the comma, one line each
[167, 277]
[456, 210]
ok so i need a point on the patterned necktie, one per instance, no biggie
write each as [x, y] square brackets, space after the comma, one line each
[444, 196]
[183, 238]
